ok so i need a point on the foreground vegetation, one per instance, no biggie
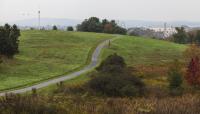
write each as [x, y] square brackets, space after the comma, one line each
[64, 104]
[83, 99]
[47, 54]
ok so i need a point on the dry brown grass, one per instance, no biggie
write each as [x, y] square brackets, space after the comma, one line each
[60, 104]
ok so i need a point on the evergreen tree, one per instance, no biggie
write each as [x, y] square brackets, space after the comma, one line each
[9, 40]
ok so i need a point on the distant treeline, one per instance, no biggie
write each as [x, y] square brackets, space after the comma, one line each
[94, 24]
[184, 37]
[9, 40]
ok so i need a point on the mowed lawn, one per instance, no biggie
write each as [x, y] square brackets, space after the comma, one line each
[47, 54]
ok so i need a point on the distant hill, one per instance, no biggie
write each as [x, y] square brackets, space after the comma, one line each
[47, 21]
[140, 23]
[124, 23]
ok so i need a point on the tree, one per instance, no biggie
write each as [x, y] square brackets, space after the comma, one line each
[120, 30]
[94, 24]
[70, 28]
[197, 38]
[14, 34]
[9, 40]
[105, 21]
[181, 36]
[191, 37]
[1, 59]
[193, 72]
[108, 28]
[55, 27]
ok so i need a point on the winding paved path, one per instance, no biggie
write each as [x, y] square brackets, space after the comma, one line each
[93, 64]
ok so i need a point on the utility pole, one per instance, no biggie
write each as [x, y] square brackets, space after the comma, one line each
[39, 19]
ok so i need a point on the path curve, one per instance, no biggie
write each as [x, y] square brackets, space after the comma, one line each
[93, 64]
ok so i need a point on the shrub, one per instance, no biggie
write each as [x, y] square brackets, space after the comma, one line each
[175, 78]
[70, 28]
[115, 79]
[55, 27]
[175, 75]
[192, 51]
[117, 85]
[193, 72]
[113, 63]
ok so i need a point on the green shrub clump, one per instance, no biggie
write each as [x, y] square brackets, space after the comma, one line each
[175, 79]
[114, 79]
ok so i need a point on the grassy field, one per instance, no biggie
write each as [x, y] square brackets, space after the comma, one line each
[47, 54]
[149, 57]
[145, 51]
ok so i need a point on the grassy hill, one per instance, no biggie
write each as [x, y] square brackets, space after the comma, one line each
[149, 57]
[145, 51]
[47, 54]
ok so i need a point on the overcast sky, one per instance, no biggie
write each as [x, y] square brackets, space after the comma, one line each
[156, 10]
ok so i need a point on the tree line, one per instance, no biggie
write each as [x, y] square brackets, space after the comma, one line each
[94, 24]
[9, 40]
[184, 37]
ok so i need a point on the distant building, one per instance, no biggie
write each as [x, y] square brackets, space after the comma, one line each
[147, 32]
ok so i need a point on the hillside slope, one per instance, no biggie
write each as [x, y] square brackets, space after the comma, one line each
[47, 54]
[145, 51]
[150, 58]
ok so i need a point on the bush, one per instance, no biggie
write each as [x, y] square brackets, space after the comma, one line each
[55, 27]
[175, 78]
[70, 28]
[115, 79]
[121, 84]
[112, 63]
[192, 51]
[175, 75]
[193, 72]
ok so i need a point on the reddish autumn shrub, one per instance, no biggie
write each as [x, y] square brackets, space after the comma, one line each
[193, 72]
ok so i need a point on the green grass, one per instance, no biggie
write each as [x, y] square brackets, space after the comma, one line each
[145, 51]
[47, 54]
[149, 57]
[76, 81]
[153, 55]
